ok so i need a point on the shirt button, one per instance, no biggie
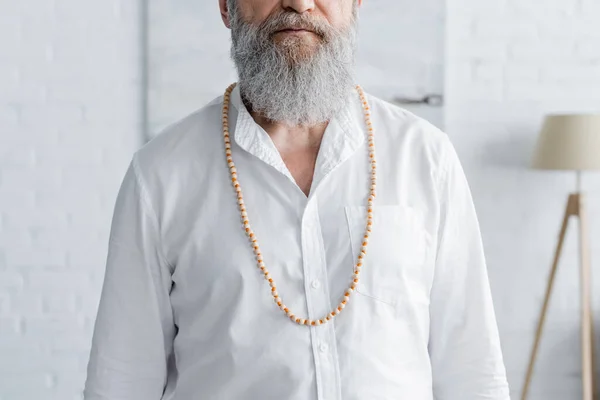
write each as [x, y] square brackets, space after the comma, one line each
[323, 347]
[315, 284]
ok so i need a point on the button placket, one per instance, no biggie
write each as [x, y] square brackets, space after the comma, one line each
[319, 304]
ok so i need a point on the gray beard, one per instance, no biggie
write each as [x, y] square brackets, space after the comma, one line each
[283, 84]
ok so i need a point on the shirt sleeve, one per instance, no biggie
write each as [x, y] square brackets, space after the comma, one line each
[464, 343]
[134, 328]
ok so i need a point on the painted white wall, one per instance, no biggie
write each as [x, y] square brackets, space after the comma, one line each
[69, 122]
[508, 63]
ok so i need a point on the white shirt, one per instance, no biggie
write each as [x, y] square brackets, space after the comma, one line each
[186, 314]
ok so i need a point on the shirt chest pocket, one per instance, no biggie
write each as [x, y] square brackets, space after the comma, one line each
[396, 251]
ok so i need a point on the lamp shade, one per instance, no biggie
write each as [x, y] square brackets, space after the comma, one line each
[569, 141]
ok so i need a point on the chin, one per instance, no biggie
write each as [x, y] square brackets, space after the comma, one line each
[298, 51]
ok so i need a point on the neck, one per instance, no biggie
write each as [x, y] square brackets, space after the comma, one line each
[289, 137]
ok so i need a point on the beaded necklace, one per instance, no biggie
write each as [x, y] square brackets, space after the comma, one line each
[252, 236]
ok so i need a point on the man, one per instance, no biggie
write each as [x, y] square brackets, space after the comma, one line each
[296, 239]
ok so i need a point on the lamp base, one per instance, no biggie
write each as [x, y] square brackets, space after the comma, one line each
[575, 207]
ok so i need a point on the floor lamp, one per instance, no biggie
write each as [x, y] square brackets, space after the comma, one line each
[571, 142]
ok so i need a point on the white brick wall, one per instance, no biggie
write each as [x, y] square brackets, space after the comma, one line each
[508, 63]
[69, 122]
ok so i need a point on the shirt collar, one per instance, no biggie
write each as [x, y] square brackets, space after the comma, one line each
[253, 138]
[345, 133]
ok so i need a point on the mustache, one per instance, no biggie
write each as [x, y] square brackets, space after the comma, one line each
[290, 20]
